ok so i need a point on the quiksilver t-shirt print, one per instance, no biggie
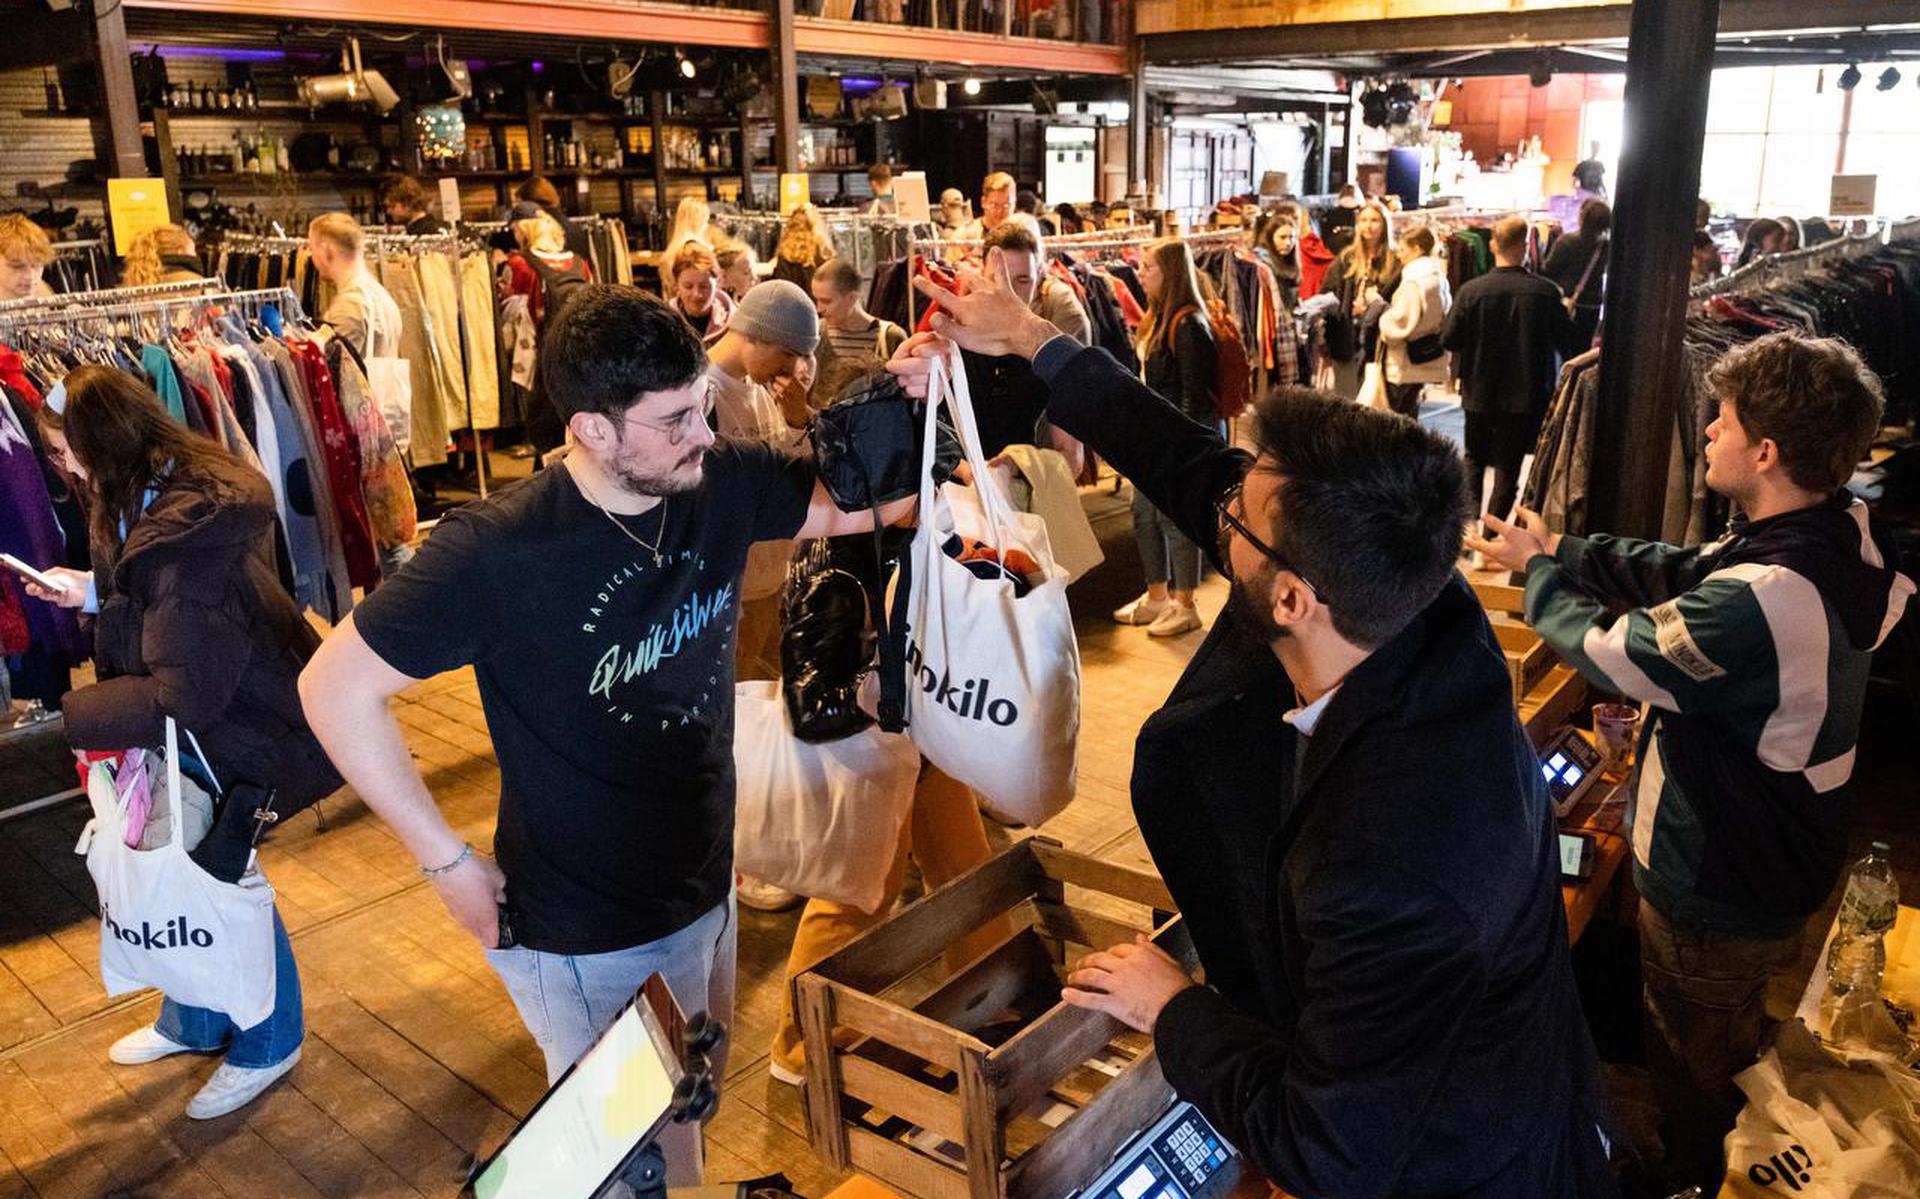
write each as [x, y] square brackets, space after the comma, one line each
[607, 682]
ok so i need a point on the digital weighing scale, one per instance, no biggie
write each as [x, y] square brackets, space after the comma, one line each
[1179, 1156]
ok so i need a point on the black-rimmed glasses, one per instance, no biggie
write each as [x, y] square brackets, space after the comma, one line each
[1231, 507]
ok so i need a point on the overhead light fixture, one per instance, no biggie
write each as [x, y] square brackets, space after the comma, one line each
[684, 64]
[447, 78]
[1402, 100]
[1541, 73]
[1850, 78]
[1889, 79]
[353, 85]
[971, 87]
[1373, 107]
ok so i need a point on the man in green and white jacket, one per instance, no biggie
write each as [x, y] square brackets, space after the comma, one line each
[1752, 655]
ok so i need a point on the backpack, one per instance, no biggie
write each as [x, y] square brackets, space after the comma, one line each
[1232, 370]
[558, 286]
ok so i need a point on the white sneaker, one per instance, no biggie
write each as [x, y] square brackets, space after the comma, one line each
[1177, 619]
[1144, 610]
[144, 1045]
[782, 1074]
[233, 1087]
[764, 896]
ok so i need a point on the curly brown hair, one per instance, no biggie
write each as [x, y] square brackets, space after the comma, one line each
[1812, 396]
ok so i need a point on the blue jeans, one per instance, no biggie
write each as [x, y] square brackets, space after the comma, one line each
[568, 1000]
[1166, 554]
[265, 1044]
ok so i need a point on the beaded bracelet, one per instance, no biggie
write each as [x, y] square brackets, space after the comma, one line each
[466, 851]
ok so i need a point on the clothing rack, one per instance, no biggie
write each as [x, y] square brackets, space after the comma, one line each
[1792, 264]
[448, 243]
[1105, 240]
[110, 295]
[87, 257]
[162, 306]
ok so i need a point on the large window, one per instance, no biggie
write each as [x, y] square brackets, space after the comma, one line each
[1777, 135]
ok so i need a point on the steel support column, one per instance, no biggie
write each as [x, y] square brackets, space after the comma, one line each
[1641, 365]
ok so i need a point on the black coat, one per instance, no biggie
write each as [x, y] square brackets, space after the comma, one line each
[1508, 331]
[195, 625]
[1183, 373]
[1390, 1008]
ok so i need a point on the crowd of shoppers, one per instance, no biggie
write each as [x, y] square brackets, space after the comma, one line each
[1375, 977]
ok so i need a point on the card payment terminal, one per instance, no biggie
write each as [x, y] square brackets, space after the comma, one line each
[1179, 1156]
[1570, 764]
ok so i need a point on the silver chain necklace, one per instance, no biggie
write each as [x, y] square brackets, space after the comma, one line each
[629, 534]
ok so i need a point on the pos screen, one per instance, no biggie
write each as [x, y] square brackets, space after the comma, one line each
[601, 1111]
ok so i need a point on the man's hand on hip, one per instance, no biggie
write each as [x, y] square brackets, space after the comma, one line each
[473, 891]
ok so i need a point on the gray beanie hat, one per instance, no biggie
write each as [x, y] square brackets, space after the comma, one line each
[779, 313]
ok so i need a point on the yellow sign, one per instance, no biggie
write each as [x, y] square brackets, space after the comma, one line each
[795, 190]
[135, 206]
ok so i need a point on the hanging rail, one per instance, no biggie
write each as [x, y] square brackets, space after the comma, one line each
[1789, 265]
[108, 295]
[160, 306]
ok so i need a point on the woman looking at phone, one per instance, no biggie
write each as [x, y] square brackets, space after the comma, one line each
[190, 622]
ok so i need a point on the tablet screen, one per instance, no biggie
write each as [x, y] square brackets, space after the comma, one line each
[573, 1142]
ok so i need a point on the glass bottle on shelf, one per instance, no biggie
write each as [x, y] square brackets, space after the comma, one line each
[281, 158]
[223, 99]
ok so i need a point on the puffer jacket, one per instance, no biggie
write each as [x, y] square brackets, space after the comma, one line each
[1419, 309]
[195, 625]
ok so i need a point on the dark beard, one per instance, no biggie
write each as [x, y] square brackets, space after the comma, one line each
[658, 485]
[1253, 613]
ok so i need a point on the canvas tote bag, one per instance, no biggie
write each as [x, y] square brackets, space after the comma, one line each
[993, 678]
[168, 924]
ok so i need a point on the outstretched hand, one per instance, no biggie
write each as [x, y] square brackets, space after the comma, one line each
[986, 316]
[1516, 543]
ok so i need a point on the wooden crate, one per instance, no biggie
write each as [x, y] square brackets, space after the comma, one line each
[1528, 658]
[953, 1089]
[1529, 661]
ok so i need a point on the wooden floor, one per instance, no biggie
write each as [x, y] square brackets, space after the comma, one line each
[414, 1056]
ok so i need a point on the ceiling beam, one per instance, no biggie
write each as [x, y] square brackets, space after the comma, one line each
[641, 21]
[1507, 30]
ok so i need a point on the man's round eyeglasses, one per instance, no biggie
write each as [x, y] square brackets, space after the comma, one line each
[678, 426]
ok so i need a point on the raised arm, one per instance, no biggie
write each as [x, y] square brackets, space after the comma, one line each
[1179, 465]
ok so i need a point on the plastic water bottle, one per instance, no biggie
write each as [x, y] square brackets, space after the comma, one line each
[1858, 957]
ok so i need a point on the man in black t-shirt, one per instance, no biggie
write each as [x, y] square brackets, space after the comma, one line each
[596, 603]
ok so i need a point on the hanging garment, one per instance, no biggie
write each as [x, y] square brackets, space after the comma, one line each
[159, 367]
[333, 596]
[29, 532]
[340, 451]
[483, 372]
[433, 379]
[384, 488]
